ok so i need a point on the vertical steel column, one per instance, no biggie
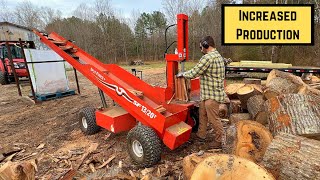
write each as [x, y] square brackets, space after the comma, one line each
[76, 76]
[26, 64]
[103, 99]
[12, 68]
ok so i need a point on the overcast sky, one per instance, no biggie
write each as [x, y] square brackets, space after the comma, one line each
[67, 6]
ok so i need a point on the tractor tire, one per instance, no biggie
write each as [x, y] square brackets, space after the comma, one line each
[194, 113]
[3, 78]
[144, 146]
[87, 121]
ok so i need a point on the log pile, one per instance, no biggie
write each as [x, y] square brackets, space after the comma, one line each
[276, 126]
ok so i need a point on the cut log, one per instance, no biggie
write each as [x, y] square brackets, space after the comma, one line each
[294, 114]
[245, 92]
[182, 91]
[223, 111]
[271, 75]
[231, 90]
[257, 87]
[256, 109]
[314, 79]
[18, 170]
[270, 93]
[236, 117]
[226, 166]
[279, 82]
[294, 79]
[235, 105]
[283, 86]
[190, 162]
[247, 139]
[252, 81]
[293, 157]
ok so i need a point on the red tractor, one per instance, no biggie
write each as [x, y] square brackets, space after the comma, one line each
[6, 71]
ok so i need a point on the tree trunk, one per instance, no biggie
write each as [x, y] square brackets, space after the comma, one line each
[236, 117]
[226, 166]
[256, 109]
[294, 114]
[293, 157]
[245, 92]
[231, 90]
[247, 139]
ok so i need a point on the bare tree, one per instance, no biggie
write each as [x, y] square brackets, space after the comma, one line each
[28, 15]
[6, 14]
[83, 11]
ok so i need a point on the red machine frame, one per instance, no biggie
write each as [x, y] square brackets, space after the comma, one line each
[173, 126]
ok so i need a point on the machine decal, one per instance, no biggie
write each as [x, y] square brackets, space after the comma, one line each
[121, 92]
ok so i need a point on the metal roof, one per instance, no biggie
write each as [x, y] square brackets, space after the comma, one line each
[16, 25]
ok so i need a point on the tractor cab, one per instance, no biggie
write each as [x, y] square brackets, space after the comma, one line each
[6, 71]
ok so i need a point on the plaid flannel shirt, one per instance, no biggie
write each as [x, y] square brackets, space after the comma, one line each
[211, 70]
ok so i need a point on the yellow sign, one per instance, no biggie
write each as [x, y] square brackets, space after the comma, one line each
[267, 24]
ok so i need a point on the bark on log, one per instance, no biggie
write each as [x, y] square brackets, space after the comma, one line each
[252, 81]
[283, 83]
[247, 139]
[245, 92]
[283, 86]
[190, 162]
[235, 105]
[236, 117]
[226, 166]
[293, 157]
[223, 111]
[294, 114]
[256, 109]
[231, 90]
[271, 75]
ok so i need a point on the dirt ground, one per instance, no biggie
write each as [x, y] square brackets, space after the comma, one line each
[25, 125]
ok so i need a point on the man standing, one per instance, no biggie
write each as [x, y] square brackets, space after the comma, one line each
[211, 70]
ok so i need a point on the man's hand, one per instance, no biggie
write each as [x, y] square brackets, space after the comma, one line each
[180, 74]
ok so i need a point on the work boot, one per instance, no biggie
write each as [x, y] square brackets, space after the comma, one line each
[196, 138]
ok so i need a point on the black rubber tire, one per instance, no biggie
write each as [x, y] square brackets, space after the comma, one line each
[89, 113]
[194, 113]
[150, 143]
[3, 78]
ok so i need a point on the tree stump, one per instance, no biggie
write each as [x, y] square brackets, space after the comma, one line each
[294, 114]
[245, 92]
[256, 109]
[226, 166]
[231, 90]
[252, 81]
[247, 139]
[236, 117]
[293, 157]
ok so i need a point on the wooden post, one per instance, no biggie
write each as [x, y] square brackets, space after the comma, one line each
[16, 78]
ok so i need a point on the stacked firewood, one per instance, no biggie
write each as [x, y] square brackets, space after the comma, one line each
[274, 124]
